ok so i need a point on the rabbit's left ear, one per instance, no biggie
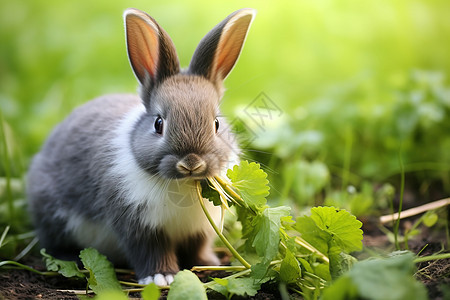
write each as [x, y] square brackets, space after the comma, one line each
[219, 50]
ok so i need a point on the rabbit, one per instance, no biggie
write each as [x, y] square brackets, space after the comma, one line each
[118, 174]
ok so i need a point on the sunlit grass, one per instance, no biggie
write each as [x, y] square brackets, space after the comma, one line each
[354, 80]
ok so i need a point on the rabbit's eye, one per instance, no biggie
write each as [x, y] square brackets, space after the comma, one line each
[217, 124]
[159, 125]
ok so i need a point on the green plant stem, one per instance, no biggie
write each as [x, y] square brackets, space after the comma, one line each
[306, 245]
[216, 229]
[232, 192]
[2, 238]
[218, 268]
[239, 274]
[139, 287]
[128, 283]
[400, 205]
[25, 267]
[7, 169]
[236, 197]
[347, 157]
[432, 257]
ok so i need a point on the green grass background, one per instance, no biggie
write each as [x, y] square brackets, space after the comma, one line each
[360, 84]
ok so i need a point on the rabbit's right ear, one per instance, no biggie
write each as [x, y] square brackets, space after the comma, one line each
[151, 52]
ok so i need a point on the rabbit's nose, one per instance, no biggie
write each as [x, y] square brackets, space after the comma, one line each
[191, 165]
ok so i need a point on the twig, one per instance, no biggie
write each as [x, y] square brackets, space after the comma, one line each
[77, 292]
[415, 211]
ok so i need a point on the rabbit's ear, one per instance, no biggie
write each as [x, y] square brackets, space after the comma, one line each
[219, 50]
[151, 52]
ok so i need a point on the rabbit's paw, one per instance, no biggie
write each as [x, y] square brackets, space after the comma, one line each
[158, 279]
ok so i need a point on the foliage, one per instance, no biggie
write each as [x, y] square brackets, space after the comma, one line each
[101, 272]
[186, 285]
[309, 256]
[389, 278]
[252, 182]
[65, 268]
[237, 286]
[322, 240]
[102, 277]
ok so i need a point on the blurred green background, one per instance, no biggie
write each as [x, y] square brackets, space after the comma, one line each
[362, 85]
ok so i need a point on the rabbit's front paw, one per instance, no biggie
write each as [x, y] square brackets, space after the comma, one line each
[158, 279]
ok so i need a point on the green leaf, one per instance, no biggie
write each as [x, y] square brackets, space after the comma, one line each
[186, 285]
[210, 194]
[290, 268]
[102, 276]
[306, 265]
[113, 295]
[245, 286]
[151, 292]
[251, 182]
[429, 219]
[342, 289]
[66, 268]
[260, 270]
[390, 278]
[322, 270]
[311, 233]
[340, 263]
[221, 286]
[266, 231]
[342, 227]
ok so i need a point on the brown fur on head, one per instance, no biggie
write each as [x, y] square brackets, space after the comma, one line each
[186, 103]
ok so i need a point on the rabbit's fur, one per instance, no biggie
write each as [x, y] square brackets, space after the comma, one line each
[108, 177]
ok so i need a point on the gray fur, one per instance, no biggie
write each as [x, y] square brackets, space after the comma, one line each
[102, 177]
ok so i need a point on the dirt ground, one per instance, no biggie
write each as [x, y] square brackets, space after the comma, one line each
[21, 284]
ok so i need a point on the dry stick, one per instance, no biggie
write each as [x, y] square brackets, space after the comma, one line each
[77, 292]
[415, 211]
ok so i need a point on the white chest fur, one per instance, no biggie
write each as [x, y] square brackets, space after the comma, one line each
[163, 203]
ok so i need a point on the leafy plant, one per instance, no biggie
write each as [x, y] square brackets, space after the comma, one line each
[309, 255]
[101, 278]
[380, 278]
[305, 254]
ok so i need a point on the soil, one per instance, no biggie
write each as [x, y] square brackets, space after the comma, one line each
[21, 284]
[435, 275]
